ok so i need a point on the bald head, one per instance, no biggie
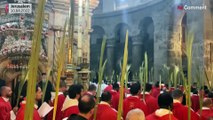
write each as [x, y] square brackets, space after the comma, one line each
[5, 91]
[207, 102]
[135, 114]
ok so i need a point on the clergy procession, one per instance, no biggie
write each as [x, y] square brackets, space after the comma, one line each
[74, 103]
[106, 60]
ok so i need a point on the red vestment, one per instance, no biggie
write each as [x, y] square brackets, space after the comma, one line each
[153, 116]
[195, 102]
[181, 112]
[133, 102]
[105, 112]
[151, 103]
[70, 107]
[155, 92]
[115, 100]
[59, 113]
[5, 109]
[206, 113]
[108, 88]
[20, 113]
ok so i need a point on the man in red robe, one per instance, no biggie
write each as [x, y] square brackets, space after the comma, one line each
[91, 90]
[180, 111]
[61, 99]
[195, 101]
[86, 108]
[206, 113]
[21, 111]
[165, 102]
[104, 111]
[70, 105]
[134, 101]
[151, 102]
[155, 90]
[115, 96]
[5, 106]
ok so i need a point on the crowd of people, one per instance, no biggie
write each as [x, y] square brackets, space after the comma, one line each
[158, 102]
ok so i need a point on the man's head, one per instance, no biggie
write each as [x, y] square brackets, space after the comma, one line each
[207, 102]
[210, 94]
[116, 86]
[165, 101]
[43, 77]
[86, 105]
[63, 86]
[135, 88]
[177, 95]
[157, 84]
[38, 93]
[75, 91]
[148, 87]
[6, 92]
[135, 114]
[92, 89]
[106, 97]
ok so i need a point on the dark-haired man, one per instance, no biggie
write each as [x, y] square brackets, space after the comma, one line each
[134, 101]
[165, 102]
[115, 96]
[70, 105]
[21, 111]
[155, 90]
[180, 111]
[195, 101]
[151, 102]
[104, 111]
[91, 90]
[5, 107]
[86, 108]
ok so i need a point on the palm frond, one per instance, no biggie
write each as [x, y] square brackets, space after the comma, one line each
[34, 59]
[125, 58]
[100, 74]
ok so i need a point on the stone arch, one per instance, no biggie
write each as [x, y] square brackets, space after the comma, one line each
[97, 35]
[146, 27]
[120, 32]
[95, 46]
[120, 36]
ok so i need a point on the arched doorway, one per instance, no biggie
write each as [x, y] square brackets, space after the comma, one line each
[146, 27]
[120, 36]
[95, 46]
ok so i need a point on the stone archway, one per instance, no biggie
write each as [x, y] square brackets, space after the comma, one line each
[144, 42]
[120, 36]
[97, 35]
[95, 46]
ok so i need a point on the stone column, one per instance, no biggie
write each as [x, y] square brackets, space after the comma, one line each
[136, 53]
[110, 52]
[161, 40]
